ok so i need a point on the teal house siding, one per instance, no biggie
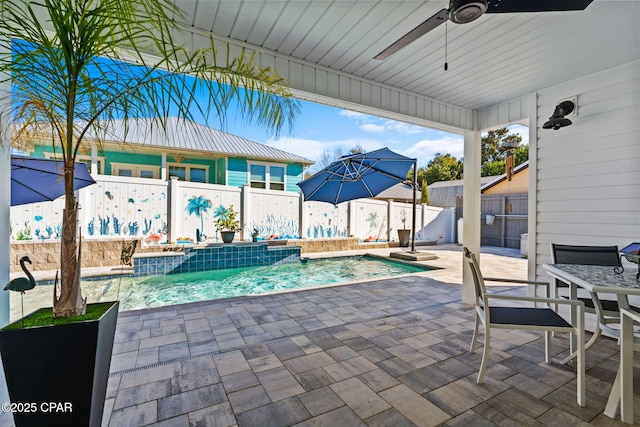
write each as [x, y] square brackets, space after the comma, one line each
[131, 158]
[221, 167]
[189, 148]
[236, 172]
[294, 176]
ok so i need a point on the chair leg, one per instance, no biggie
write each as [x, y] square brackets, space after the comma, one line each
[547, 347]
[592, 341]
[485, 355]
[475, 332]
[580, 362]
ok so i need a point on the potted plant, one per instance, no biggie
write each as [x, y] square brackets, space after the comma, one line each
[404, 235]
[72, 67]
[226, 222]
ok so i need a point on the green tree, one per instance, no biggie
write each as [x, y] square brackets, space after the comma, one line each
[424, 193]
[497, 167]
[443, 167]
[62, 84]
[495, 144]
[357, 149]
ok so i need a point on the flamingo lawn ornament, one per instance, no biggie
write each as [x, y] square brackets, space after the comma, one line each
[22, 284]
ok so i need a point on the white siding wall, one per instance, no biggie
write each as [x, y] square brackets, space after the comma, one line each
[588, 174]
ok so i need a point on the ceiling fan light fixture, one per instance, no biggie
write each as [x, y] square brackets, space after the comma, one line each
[463, 11]
[557, 120]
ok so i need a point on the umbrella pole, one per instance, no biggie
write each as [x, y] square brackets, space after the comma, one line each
[413, 219]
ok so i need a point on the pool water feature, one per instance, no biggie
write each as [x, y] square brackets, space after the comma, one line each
[158, 291]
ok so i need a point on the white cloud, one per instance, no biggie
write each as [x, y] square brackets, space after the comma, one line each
[403, 128]
[370, 127]
[361, 117]
[313, 148]
[425, 149]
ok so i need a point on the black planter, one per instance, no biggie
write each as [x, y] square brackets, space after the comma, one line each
[227, 236]
[404, 236]
[67, 365]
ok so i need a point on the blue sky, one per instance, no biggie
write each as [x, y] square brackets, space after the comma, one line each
[321, 127]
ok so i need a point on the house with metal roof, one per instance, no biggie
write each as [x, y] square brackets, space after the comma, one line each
[186, 150]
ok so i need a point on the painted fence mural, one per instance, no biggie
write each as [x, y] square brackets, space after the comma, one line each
[168, 210]
[324, 220]
[121, 206]
[275, 214]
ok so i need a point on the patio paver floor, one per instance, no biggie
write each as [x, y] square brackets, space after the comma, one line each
[390, 352]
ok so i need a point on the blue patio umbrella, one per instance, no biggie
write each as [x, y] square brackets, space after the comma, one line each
[359, 176]
[39, 180]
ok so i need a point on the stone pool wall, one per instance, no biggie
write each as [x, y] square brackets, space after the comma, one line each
[106, 253]
[214, 257]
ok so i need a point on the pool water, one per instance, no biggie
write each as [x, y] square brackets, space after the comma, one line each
[157, 291]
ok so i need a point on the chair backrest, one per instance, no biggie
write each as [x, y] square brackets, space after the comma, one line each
[586, 255]
[478, 280]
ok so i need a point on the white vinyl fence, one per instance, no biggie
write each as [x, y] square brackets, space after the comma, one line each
[136, 207]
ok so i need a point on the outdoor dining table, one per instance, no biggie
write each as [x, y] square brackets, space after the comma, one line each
[598, 279]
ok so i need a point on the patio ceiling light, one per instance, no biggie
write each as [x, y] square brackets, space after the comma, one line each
[557, 120]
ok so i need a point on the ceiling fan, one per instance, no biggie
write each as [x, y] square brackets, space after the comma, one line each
[464, 11]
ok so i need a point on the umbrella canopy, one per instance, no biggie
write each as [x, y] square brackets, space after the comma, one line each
[39, 180]
[357, 176]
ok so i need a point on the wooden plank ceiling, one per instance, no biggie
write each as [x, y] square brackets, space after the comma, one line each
[497, 58]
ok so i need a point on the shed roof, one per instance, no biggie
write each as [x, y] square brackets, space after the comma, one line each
[503, 177]
[185, 135]
[444, 193]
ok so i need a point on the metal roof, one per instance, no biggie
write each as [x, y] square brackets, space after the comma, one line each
[399, 192]
[183, 135]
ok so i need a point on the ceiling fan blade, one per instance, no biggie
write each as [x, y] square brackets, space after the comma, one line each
[523, 6]
[414, 34]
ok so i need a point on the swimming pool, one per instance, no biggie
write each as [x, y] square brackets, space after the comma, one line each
[158, 291]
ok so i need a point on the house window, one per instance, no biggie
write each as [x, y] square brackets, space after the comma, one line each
[192, 173]
[258, 176]
[276, 180]
[135, 171]
[266, 176]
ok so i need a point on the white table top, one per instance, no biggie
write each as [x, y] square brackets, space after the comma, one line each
[596, 278]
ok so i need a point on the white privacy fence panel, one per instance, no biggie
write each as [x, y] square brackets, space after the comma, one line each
[37, 220]
[323, 220]
[439, 225]
[123, 206]
[130, 207]
[369, 219]
[400, 211]
[218, 195]
[272, 213]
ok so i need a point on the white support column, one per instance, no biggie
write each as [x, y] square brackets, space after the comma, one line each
[532, 243]
[245, 212]
[302, 215]
[5, 221]
[163, 167]
[173, 210]
[94, 160]
[471, 205]
[389, 218]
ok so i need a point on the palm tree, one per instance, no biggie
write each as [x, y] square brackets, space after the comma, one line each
[198, 206]
[74, 65]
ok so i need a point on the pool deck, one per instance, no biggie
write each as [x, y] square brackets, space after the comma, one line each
[390, 352]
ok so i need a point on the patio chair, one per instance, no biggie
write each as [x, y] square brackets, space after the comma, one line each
[607, 311]
[621, 396]
[518, 316]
